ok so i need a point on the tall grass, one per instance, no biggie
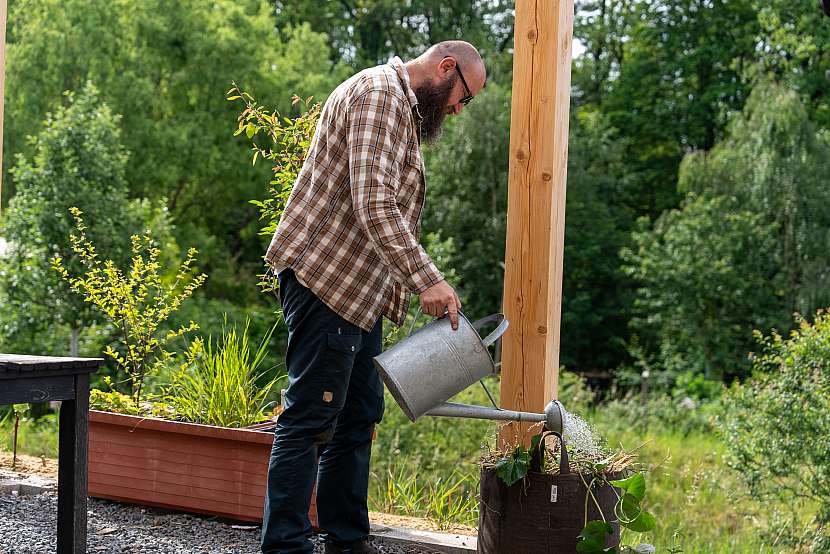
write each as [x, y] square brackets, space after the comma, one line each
[222, 385]
[35, 437]
[445, 500]
[699, 504]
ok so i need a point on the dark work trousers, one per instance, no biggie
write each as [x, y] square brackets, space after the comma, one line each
[334, 399]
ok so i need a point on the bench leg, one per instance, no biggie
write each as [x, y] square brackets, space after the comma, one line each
[72, 470]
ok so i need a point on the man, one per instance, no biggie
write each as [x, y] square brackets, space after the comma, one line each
[346, 253]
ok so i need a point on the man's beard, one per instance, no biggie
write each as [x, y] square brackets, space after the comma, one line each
[432, 104]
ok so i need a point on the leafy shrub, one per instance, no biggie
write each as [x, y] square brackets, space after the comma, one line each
[117, 402]
[136, 301]
[288, 143]
[777, 432]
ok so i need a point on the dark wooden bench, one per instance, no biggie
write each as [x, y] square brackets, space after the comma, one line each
[25, 379]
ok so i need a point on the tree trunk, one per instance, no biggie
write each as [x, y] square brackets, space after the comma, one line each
[73, 343]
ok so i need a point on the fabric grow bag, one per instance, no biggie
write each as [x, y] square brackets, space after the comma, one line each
[543, 513]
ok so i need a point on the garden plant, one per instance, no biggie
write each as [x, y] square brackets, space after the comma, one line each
[218, 385]
[599, 471]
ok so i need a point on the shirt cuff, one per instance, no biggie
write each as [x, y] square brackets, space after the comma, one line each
[425, 277]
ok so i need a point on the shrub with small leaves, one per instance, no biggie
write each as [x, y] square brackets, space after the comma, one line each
[137, 302]
[119, 403]
[777, 433]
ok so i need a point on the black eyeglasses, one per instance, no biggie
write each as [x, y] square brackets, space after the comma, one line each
[467, 99]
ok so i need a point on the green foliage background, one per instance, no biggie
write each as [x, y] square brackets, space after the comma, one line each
[659, 89]
[697, 201]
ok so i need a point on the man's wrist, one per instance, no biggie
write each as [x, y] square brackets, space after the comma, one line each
[426, 277]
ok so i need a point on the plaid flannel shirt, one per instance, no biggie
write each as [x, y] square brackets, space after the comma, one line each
[351, 226]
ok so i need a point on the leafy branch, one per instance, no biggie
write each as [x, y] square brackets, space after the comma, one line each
[288, 141]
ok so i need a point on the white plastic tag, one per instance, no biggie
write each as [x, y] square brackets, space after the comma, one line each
[554, 493]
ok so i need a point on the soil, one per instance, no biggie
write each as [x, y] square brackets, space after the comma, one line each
[30, 465]
[48, 467]
[421, 524]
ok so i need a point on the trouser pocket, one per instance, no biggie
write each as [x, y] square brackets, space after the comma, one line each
[340, 349]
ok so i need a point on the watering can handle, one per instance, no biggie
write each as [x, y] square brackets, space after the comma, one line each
[478, 324]
[497, 332]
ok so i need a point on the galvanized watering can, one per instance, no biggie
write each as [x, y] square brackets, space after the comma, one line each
[435, 363]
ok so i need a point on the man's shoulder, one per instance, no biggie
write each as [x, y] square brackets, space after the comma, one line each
[381, 78]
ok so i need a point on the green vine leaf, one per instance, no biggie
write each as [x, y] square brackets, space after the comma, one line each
[634, 485]
[513, 468]
[644, 522]
[593, 536]
[628, 509]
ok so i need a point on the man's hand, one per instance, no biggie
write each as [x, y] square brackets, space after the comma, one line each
[440, 299]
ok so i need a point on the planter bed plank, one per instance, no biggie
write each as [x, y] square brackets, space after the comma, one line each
[224, 501]
[187, 446]
[181, 428]
[173, 500]
[119, 465]
[250, 464]
[113, 475]
[180, 466]
[195, 505]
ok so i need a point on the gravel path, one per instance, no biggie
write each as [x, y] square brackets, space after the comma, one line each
[28, 523]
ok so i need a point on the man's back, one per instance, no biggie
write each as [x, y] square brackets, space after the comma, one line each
[351, 226]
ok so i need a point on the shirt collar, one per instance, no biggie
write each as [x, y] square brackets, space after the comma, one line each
[403, 75]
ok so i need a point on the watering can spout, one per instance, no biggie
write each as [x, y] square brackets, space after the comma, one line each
[553, 416]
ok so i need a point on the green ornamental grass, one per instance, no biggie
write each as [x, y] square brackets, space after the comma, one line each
[222, 384]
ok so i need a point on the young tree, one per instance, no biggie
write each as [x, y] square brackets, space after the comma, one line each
[794, 46]
[708, 276]
[775, 163]
[78, 160]
[666, 74]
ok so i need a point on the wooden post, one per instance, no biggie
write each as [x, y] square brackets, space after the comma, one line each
[3, 10]
[536, 207]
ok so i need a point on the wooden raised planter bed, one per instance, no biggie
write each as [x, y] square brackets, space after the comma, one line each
[180, 466]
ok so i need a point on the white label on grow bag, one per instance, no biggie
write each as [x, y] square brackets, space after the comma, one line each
[554, 492]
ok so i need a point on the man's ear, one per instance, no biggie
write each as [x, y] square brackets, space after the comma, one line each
[447, 64]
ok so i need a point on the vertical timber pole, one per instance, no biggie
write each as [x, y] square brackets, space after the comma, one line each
[536, 207]
[3, 13]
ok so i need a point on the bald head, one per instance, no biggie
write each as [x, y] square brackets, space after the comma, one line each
[464, 54]
[445, 78]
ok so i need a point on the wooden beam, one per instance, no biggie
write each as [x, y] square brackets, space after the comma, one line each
[536, 207]
[3, 11]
